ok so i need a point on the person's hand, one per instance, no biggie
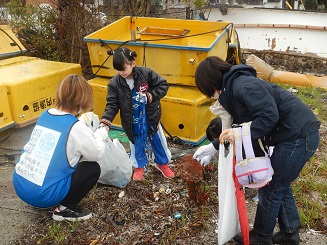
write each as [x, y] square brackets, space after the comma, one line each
[101, 133]
[142, 97]
[102, 125]
[205, 153]
[227, 136]
[205, 160]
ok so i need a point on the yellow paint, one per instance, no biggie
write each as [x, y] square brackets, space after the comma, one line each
[31, 84]
[172, 47]
[186, 113]
[5, 116]
[10, 46]
[99, 86]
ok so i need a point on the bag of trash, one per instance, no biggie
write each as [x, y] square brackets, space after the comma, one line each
[228, 222]
[116, 166]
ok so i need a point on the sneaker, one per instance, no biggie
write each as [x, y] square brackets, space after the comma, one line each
[71, 214]
[138, 174]
[165, 170]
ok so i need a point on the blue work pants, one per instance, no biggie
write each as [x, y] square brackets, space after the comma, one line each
[276, 201]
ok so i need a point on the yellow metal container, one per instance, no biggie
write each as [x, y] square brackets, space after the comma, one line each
[185, 111]
[5, 116]
[31, 84]
[10, 46]
[99, 86]
[171, 47]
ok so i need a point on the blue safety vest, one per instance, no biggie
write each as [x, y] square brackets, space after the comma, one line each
[43, 174]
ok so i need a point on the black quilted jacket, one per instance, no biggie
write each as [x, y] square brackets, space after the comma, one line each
[119, 98]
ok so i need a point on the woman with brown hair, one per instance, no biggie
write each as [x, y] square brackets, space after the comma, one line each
[50, 171]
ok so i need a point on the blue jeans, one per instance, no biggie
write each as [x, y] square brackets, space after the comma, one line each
[276, 201]
[162, 154]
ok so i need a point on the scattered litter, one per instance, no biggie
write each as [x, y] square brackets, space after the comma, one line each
[121, 194]
[292, 90]
[312, 231]
[255, 198]
[177, 215]
[112, 222]
[156, 196]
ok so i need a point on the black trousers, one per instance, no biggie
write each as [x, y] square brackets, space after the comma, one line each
[83, 180]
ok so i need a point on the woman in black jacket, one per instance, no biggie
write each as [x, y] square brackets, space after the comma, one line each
[136, 92]
[279, 119]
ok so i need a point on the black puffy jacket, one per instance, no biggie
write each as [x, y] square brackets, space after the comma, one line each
[119, 97]
[276, 114]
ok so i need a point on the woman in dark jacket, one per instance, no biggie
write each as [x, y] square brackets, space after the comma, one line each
[136, 92]
[279, 119]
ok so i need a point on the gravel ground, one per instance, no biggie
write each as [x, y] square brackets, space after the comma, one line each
[141, 216]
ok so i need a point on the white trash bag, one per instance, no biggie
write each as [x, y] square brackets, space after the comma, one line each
[228, 222]
[116, 166]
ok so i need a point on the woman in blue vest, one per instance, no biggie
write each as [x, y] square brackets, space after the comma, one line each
[50, 172]
[279, 119]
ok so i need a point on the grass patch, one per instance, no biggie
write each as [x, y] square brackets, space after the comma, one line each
[310, 188]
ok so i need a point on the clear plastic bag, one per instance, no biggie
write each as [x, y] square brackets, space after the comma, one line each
[116, 166]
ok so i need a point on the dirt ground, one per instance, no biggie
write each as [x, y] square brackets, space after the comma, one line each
[136, 218]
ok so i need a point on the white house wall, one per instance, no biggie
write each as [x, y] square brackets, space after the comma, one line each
[277, 29]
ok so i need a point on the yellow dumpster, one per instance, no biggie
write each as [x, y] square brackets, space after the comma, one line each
[5, 116]
[31, 84]
[10, 46]
[172, 47]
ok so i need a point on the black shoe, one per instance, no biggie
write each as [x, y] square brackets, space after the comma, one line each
[71, 214]
[255, 239]
[285, 238]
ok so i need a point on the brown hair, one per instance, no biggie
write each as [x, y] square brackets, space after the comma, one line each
[74, 93]
[209, 75]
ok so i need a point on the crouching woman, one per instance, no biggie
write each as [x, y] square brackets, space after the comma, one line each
[50, 172]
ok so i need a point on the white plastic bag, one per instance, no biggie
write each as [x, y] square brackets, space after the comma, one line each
[116, 166]
[90, 119]
[228, 222]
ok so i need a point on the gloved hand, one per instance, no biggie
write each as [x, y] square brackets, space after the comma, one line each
[205, 153]
[101, 133]
[142, 97]
[205, 160]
